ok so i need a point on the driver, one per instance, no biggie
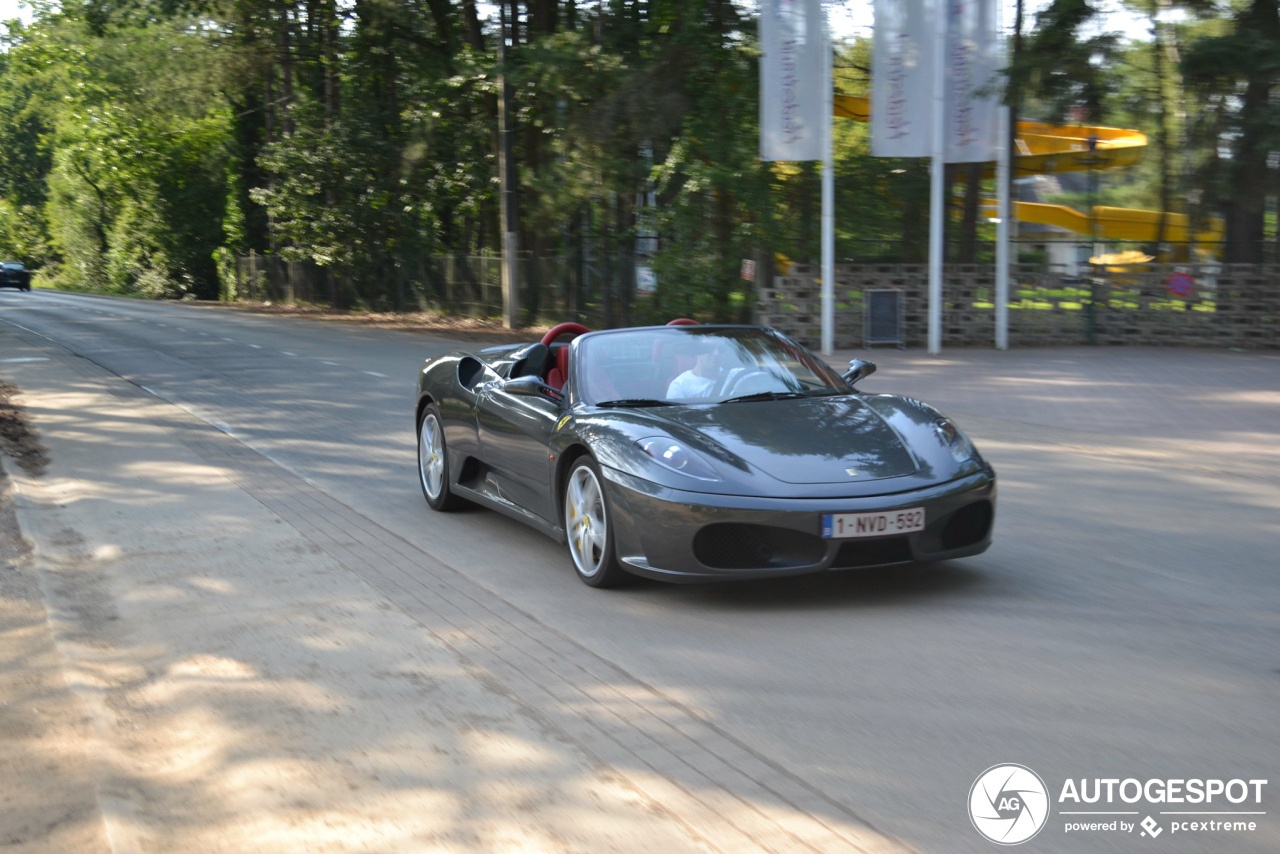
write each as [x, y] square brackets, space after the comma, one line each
[699, 381]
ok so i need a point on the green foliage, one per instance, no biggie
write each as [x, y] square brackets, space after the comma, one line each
[22, 234]
[150, 142]
[1064, 67]
[133, 132]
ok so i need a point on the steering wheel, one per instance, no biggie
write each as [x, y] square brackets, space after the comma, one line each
[733, 387]
[561, 328]
[682, 321]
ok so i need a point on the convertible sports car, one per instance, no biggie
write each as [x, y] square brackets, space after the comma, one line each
[697, 453]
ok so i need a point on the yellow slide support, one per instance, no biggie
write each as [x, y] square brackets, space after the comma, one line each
[1113, 223]
[1045, 149]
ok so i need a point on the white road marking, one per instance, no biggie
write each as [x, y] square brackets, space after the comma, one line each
[17, 359]
[256, 346]
[376, 374]
[287, 353]
[335, 364]
[232, 340]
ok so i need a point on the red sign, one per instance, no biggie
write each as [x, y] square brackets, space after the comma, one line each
[1180, 284]
[749, 270]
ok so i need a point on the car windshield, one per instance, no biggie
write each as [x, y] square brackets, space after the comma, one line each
[699, 364]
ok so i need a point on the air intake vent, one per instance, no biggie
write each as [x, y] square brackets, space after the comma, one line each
[732, 545]
[968, 525]
[873, 552]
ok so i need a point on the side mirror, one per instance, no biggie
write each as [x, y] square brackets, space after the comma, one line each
[859, 369]
[531, 386]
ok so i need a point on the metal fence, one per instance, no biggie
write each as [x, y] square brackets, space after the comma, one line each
[592, 289]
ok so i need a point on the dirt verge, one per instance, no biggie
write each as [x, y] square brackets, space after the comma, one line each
[18, 438]
[426, 323]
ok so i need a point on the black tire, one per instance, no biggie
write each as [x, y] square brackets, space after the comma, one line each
[435, 470]
[591, 549]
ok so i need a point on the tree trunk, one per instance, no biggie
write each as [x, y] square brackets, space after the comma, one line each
[1247, 213]
[915, 213]
[471, 25]
[329, 33]
[1013, 98]
[1162, 129]
[286, 71]
[969, 223]
[724, 238]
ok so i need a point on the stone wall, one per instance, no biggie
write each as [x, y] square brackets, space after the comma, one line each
[1232, 305]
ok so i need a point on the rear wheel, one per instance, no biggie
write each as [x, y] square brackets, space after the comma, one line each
[433, 462]
[589, 528]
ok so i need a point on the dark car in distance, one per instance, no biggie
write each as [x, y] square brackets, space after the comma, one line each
[14, 274]
[698, 453]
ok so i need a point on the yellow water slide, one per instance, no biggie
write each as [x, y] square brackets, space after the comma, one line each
[1045, 149]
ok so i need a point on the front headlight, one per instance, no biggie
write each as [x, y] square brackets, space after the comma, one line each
[955, 440]
[670, 454]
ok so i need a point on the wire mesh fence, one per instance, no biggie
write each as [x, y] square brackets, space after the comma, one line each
[600, 290]
[593, 289]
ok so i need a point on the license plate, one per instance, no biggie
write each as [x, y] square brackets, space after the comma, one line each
[844, 526]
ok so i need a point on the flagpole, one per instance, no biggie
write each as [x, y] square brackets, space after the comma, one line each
[828, 198]
[937, 168]
[1004, 161]
[1002, 235]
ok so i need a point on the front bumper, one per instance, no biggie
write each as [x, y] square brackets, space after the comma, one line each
[675, 535]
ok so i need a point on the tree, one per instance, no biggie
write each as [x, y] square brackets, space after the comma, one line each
[1236, 74]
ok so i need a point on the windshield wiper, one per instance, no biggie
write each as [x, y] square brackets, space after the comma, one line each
[635, 401]
[766, 395]
[785, 396]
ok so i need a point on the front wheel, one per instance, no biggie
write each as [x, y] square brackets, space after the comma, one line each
[433, 462]
[588, 527]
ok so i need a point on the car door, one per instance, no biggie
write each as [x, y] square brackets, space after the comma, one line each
[515, 431]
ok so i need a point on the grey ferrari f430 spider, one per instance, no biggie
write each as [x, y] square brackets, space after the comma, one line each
[694, 452]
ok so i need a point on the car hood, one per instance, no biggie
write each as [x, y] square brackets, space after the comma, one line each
[810, 440]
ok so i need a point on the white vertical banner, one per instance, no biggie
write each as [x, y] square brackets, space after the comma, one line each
[792, 100]
[902, 82]
[974, 87]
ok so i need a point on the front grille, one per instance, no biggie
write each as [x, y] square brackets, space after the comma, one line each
[734, 545]
[872, 552]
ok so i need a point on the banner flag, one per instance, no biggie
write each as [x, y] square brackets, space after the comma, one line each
[974, 82]
[792, 73]
[902, 82]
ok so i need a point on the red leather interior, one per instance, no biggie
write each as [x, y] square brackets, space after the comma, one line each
[558, 374]
[560, 370]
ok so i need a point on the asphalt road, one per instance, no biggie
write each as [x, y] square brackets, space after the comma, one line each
[1123, 625]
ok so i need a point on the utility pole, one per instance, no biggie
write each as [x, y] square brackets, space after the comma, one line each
[507, 185]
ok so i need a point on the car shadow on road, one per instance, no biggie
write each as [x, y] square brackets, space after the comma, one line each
[892, 585]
